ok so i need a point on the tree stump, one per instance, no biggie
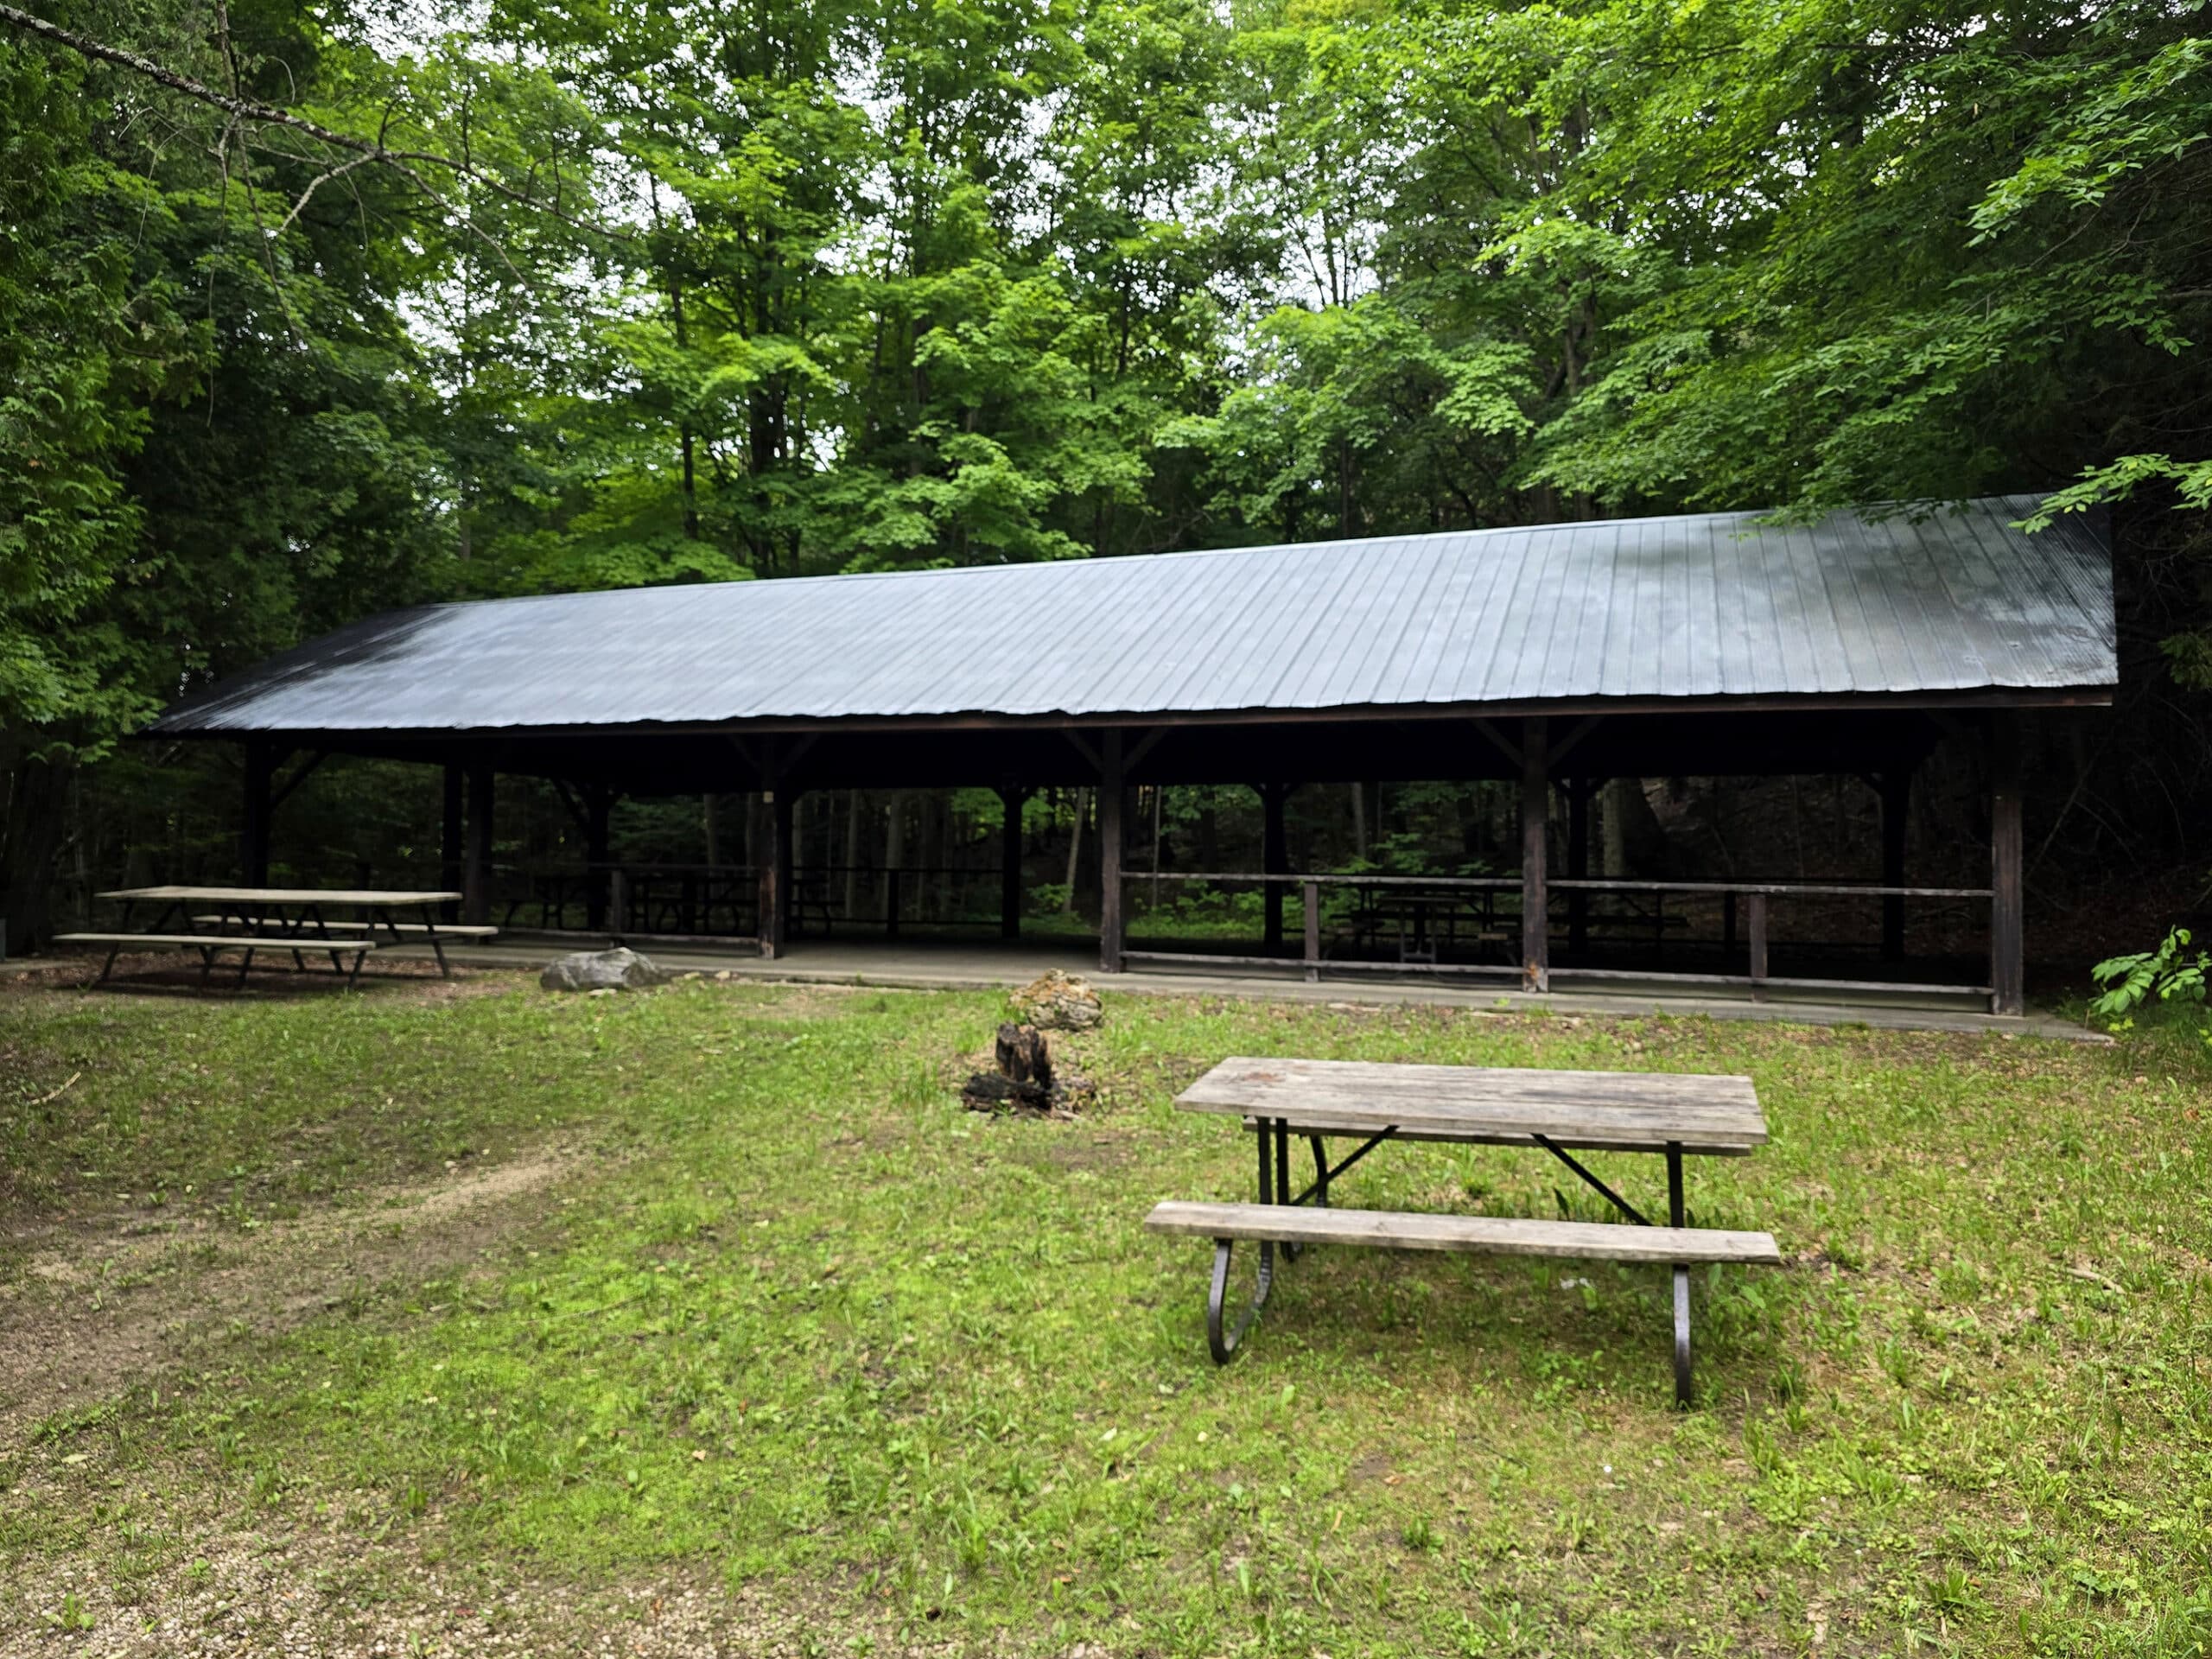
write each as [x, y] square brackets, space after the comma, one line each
[1024, 1076]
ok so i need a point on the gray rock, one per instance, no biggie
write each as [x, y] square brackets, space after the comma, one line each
[619, 970]
[1059, 1001]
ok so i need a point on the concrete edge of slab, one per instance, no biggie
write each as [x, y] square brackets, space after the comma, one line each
[1622, 1005]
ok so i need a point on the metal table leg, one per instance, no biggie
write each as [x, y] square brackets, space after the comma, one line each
[1677, 1216]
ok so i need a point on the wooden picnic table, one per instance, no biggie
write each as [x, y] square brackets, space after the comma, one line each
[1670, 1115]
[247, 920]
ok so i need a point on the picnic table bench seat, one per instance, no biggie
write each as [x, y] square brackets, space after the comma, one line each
[419, 929]
[1560, 1112]
[1586, 1240]
[209, 943]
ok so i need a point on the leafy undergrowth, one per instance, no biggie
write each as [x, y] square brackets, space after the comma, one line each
[823, 1340]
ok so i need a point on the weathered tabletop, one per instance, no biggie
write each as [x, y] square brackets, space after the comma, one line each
[281, 896]
[288, 917]
[1667, 1113]
[1640, 1111]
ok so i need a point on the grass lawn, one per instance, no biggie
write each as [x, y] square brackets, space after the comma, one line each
[706, 1320]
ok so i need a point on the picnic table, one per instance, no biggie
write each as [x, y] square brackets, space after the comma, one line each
[294, 919]
[1669, 1115]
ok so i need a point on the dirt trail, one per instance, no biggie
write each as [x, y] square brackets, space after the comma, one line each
[102, 1306]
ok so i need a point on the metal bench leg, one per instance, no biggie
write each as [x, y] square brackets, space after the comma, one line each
[245, 962]
[1320, 1170]
[1681, 1337]
[1290, 1252]
[1223, 1343]
[359, 957]
[1678, 1216]
[206, 964]
[107, 967]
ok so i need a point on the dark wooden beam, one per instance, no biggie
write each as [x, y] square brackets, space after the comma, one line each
[1112, 815]
[1012, 797]
[569, 805]
[450, 852]
[1565, 745]
[1536, 829]
[598, 881]
[1092, 757]
[476, 871]
[1506, 747]
[1274, 855]
[2007, 965]
[1896, 789]
[261, 762]
[300, 774]
[774, 860]
[1578, 790]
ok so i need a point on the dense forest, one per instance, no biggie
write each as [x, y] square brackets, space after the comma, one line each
[311, 310]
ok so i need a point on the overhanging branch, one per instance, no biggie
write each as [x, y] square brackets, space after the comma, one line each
[403, 161]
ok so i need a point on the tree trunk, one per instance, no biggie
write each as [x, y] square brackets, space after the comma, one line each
[894, 842]
[35, 792]
[1075, 847]
[852, 829]
[1615, 823]
[932, 859]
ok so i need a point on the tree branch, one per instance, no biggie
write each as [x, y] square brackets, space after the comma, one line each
[403, 161]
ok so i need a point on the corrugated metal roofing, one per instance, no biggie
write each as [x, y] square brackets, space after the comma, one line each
[1697, 606]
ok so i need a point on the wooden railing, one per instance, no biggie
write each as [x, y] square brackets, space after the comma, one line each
[1752, 899]
[722, 901]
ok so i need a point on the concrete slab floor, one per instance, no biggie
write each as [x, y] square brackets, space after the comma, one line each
[969, 965]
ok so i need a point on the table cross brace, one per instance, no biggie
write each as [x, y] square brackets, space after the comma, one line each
[1619, 1203]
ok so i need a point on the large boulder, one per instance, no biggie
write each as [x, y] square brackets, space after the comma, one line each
[1058, 1001]
[619, 970]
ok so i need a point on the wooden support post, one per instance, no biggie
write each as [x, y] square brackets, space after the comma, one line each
[1310, 898]
[1897, 799]
[1578, 864]
[1275, 856]
[1535, 830]
[773, 905]
[2007, 967]
[599, 805]
[1111, 817]
[1011, 797]
[785, 820]
[253, 833]
[476, 868]
[450, 842]
[1757, 906]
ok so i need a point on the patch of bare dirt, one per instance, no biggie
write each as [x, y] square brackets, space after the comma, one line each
[272, 977]
[336, 1595]
[345, 1584]
[101, 1306]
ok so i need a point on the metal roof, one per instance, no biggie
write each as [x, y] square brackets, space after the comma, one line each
[1706, 606]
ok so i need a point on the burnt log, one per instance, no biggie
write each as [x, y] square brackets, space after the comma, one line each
[1025, 1055]
[1024, 1078]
